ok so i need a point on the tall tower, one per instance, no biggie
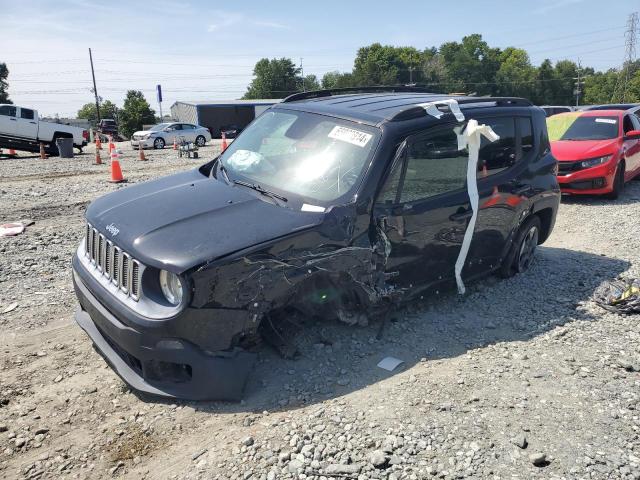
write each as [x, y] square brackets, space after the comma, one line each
[630, 37]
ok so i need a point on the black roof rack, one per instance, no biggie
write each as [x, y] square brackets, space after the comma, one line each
[341, 91]
[415, 111]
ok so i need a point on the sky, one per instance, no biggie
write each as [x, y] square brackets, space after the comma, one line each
[206, 50]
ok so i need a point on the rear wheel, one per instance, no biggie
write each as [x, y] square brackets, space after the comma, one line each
[200, 141]
[618, 182]
[523, 249]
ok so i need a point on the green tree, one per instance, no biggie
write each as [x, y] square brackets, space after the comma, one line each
[135, 113]
[379, 64]
[565, 73]
[600, 87]
[545, 84]
[4, 85]
[472, 65]
[311, 83]
[338, 80]
[515, 76]
[107, 110]
[276, 78]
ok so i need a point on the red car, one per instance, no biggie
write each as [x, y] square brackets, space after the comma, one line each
[597, 150]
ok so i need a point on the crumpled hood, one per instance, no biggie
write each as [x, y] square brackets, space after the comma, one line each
[184, 220]
[567, 150]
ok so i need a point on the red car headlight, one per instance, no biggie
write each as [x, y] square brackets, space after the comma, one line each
[594, 162]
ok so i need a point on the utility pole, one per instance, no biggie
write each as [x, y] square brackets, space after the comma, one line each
[630, 51]
[579, 82]
[411, 75]
[95, 89]
[304, 87]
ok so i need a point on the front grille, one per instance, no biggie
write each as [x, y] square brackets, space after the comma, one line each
[568, 167]
[111, 262]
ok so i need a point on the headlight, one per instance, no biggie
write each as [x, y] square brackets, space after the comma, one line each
[594, 162]
[171, 287]
[144, 137]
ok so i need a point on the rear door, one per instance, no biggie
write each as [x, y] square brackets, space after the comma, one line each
[189, 132]
[27, 123]
[8, 120]
[502, 190]
[423, 208]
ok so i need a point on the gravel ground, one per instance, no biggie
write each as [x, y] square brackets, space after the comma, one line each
[520, 378]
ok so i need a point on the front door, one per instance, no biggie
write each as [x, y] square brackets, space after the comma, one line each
[631, 147]
[8, 120]
[27, 124]
[423, 208]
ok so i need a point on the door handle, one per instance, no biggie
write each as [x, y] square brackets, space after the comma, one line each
[33, 123]
[461, 215]
[13, 119]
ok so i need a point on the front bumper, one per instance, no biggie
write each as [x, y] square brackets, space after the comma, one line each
[148, 143]
[153, 361]
[590, 181]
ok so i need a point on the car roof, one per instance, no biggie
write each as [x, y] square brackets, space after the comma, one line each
[613, 106]
[377, 107]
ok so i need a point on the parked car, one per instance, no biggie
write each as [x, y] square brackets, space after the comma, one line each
[551, 110]
[328, 206]
[165, 133]
[21, 129]
[108, 127]
[613, 106]
[597, 150]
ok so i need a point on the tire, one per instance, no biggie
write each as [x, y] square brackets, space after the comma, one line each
[523, 248]
[618, 182]
[158, 143]
[200, 141]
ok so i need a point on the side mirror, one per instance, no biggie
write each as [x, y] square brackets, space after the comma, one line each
[632, 135]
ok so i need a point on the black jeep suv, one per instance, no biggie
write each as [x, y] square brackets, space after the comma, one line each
[331, 204]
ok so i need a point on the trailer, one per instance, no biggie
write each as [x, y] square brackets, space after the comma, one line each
[220, 115]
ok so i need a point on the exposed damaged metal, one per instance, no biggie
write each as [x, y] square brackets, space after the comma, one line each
[328, 208]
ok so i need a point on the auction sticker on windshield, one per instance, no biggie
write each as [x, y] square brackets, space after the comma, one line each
[349, 135]
[606, 120]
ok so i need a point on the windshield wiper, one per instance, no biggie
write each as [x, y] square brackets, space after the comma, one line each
[261, 190]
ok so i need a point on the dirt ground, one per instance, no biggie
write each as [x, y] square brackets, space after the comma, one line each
[520, 378]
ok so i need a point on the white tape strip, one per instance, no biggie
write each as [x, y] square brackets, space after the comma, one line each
[471, 137]
[432, 109]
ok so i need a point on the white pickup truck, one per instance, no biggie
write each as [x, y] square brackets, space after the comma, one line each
[20, 129]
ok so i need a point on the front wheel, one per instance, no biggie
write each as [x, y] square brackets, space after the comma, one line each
[522, 251]
[158, 143]
[618, 183]
[200, 141]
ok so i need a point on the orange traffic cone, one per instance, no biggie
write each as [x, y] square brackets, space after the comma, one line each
[98, 143]
[112, 147]
[175, 144]
[43, 155]
[116, 172]
[12, 151]
[224, 142]
[98, 159]
[141, 156]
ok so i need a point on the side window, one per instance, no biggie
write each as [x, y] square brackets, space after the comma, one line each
[627, 124]
[26, 114]
[497, 156]
[186, 126]
[635, 120]
[175, 127]
[526, 134]
[8, 111]
[390, 190]
[434, 166]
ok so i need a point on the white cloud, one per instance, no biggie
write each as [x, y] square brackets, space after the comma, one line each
[230, 19]
[555, 5]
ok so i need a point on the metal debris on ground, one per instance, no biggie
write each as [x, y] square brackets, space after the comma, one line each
[620, 296]
[390, 363]
[11, 229]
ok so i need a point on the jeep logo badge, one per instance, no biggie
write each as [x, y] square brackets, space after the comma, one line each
[113, 230]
